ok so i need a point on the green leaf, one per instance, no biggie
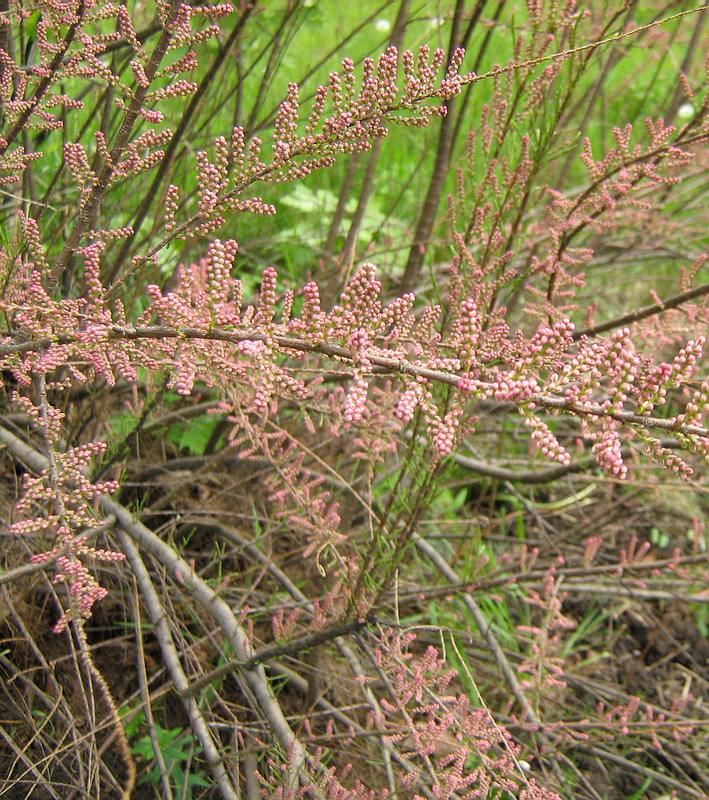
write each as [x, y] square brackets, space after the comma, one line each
[122, 424]
[194, 434]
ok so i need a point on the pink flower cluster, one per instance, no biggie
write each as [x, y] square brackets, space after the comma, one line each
[425, 714]
[67, 497]
[544, 664]
[212, 338]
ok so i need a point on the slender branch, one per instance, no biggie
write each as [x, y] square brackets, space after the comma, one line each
[107, 696]
[159, 619]
[143, 684]
[590, 46]
[46, 82]
[205, 596]
[288, 16]
[615, 589]
[392, 365]
[402, 367]
[185, 119]
[86, 214]
[644, 313]
[444, 150]
[371, 173]
[485, 628]
[338, 214]
[537, 576]
[635, 766]
[626, 417]
[291, 647]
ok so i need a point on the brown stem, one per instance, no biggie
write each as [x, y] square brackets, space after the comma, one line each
[367, 187]
[444, 149]
[89, 209]
[289, 16]
[292, 647]
[153, 192]
[105, 692]
[339, 214]
[266, 123]
[45, 83]
[393, 365]
[644, 313]
[695, 42]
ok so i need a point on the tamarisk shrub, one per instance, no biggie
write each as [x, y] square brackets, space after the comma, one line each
[99, 104]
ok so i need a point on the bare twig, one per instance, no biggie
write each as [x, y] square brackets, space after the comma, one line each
[181, 571]
[644, 313]
[180, 681]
